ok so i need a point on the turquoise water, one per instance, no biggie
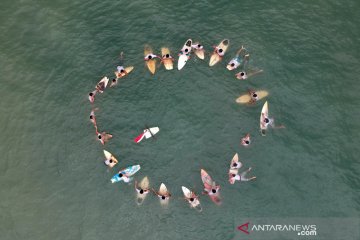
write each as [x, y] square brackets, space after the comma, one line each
[52, 53]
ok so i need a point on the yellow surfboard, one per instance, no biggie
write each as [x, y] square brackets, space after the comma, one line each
[215, 58]
[151, 64]
[168, 62]
[246, 98]
[127, 71]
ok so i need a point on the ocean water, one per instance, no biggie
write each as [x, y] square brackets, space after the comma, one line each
[52, 53]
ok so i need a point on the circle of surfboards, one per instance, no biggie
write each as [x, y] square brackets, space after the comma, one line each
[167, 61]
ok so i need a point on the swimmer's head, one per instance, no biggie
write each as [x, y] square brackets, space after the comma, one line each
[220, 50]
[91, 117]
[242, 74]
[163, 197]
[213, 190]
[91, 94]
[247, 142]
[120, 175]
[232, 64]
[114, 80]
[167, 55]
[99, 136]
[141, 191]
[191, 199]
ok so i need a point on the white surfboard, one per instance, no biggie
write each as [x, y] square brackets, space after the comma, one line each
[184, 54]
[264, 113]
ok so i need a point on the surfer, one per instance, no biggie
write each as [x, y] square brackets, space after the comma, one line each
[254, 96]
[103, 137]
[140, 190]
[167, 56]
[124, 177]
[113, 82]
[100, 87]
[193, 199]
[110, 162]
[269, 122]
[219, 51]
[243, 75]
[163, 197]
[92, 116]
[245, 141]
[197, 46]
[150, 56]
[92, 96]
[235, 62]
[233, 176]
[213, 191]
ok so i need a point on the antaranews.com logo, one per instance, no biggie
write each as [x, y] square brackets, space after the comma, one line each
[298, 228]
[302, 230]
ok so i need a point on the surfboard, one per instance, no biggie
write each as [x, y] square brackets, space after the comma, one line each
[105, 81]
[188, 194]
[200, 53]
[208, 185]
[215, 58]
[235, 159]
[168, 62]
[129, 171]
[264, 113]
[246, 97]
[147, 133]
[144, 184]
[109, 156]
[185, 54]
[151, 64]
[127, 71]
[163, 191]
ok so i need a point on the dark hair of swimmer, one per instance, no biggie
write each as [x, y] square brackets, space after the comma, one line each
[191, 199]
[233, 64]
[150, 57]
[90, 94]
[234, 164]
[114, 80]
[242, 74]
[220, 50]
[120, 175]
[186, 50]
[254, 95]
[247, 142]
[141, 191]
[110, 160]
[122, 70]
[162, 197]
[213, 190]
[167, 55]
[99, 136]
[199, 45]
[91, 116]
[233, 175]
[266, 120]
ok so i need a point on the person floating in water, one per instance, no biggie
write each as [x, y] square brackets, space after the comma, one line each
[236, 61]
[140, 190]
[269, 122]
[254, 96]
[92, 96]
[103, 137]
[167, 56]
[244, 75]
[110, 162]
[162, 197]
[245, 141]
[234, 176]
[92, 117]
[150, 56]
[219, 51]
[213, 191]
[124, 177]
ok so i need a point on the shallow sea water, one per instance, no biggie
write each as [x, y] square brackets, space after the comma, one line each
[52, 53]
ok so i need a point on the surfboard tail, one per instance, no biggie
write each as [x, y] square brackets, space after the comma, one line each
[139, 138]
